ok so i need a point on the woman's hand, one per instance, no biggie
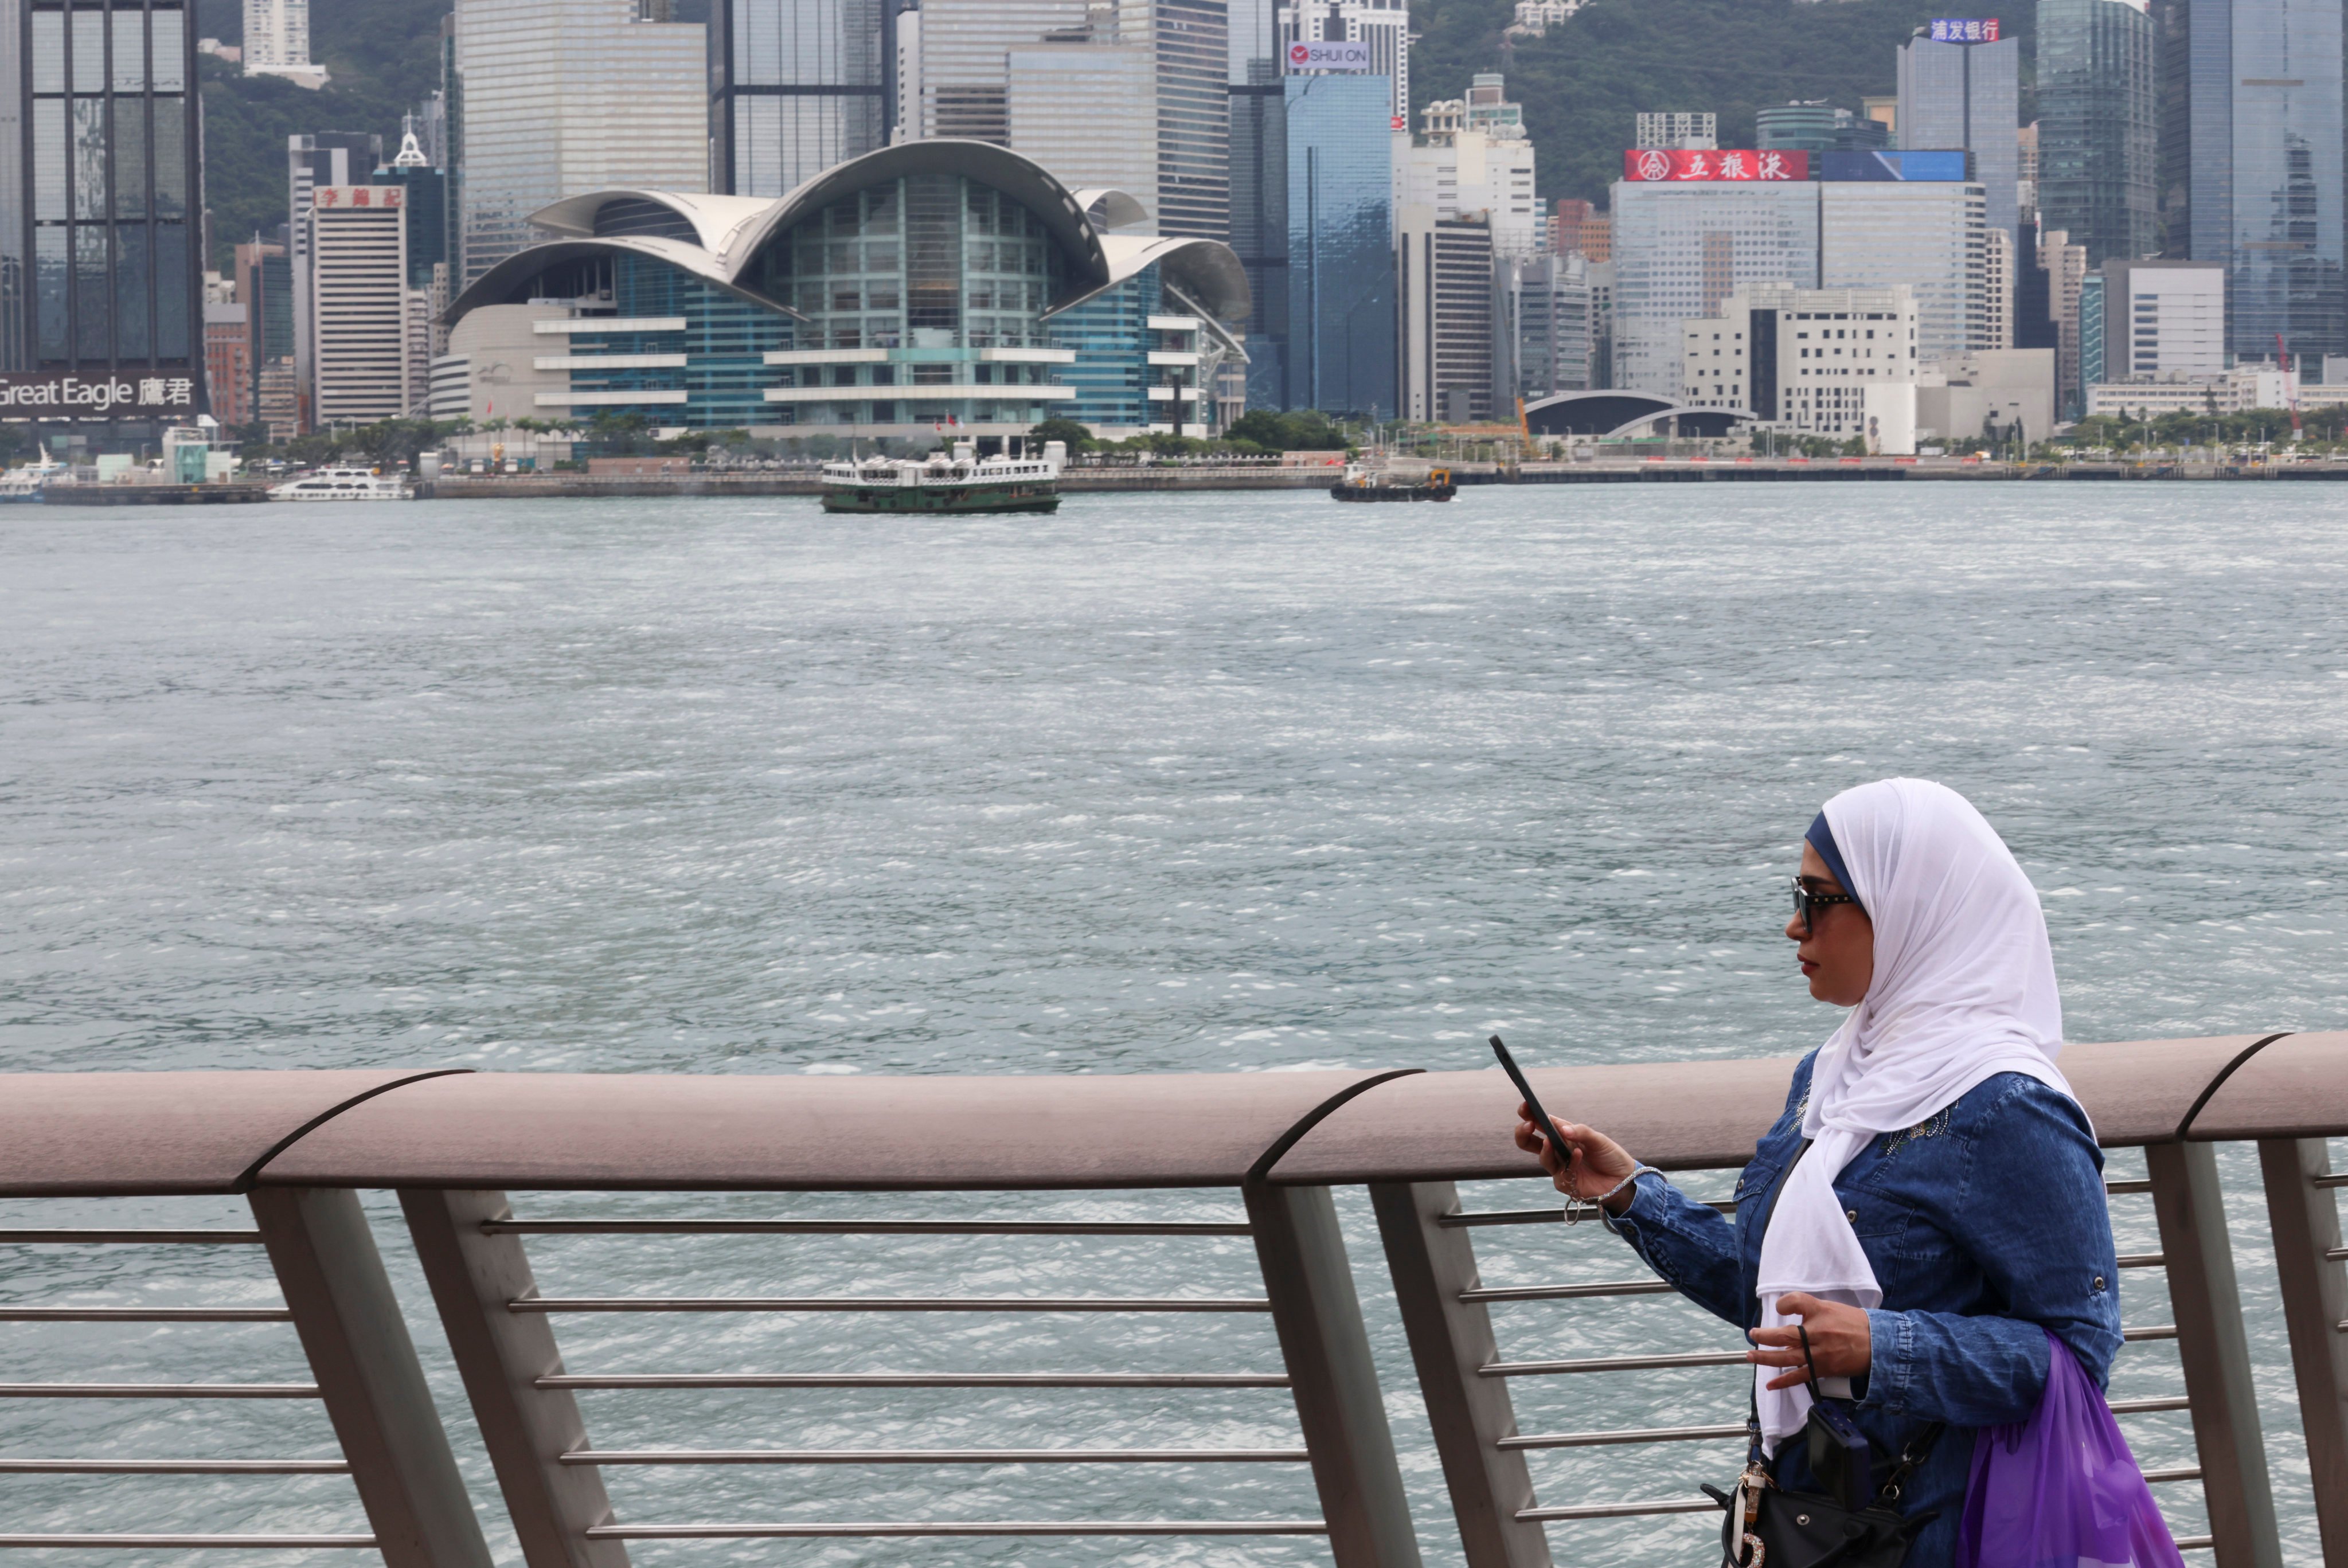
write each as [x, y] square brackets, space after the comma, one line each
[1593, 1165]
[1841, 1346]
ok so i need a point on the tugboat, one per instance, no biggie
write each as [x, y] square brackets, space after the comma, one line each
[1362, 483]
[961, 483]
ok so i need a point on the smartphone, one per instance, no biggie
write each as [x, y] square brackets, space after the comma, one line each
[1532, 1102]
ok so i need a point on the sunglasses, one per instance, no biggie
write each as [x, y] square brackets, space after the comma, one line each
[1805, 900]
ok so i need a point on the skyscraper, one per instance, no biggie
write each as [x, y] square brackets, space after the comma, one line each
[1928, 236]
[2095, 133]
[1681, 247]
[795, 86]
[99, 259]
[361, 370]
[1473, 157]
[967, 60]
[562, 97]
[333, 158]
[1339, 353]
[2251, 97]
[1968, 96]
[1383, 24]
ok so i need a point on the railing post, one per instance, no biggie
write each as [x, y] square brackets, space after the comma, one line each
[2306, 1221]
[2191, 1210]
[372, 1387]
[1450, 1340]
[1318, 1315]
[501, 1354]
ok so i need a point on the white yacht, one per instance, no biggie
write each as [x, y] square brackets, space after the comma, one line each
[341, 484]
[27, 483]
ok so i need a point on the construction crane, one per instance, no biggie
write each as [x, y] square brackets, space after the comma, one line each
[2290, 395]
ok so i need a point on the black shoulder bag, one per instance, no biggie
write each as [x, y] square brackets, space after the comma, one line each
[1859, 1524]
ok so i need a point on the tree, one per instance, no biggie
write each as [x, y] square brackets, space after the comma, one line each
[1079, 438]
[1304, 430]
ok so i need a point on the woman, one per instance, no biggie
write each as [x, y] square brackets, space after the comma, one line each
[1948, 1213]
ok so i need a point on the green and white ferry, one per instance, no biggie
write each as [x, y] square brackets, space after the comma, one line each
[940, 483]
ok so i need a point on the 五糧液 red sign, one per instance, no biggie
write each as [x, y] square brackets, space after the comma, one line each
[1656, 164]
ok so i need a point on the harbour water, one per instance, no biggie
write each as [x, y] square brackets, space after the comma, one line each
[1158, 783]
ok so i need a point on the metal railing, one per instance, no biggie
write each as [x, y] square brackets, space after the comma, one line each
[299, 1147]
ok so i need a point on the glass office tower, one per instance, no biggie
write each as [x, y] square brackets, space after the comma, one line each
[1927, 235]
[1681, 247]
[2286, 227]
[1259, 224]
[795, 86]
[1968, 96]
[100, 263]
[2095, 135]
[1339, 353]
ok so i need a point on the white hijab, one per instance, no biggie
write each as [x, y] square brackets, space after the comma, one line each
[1964, 990]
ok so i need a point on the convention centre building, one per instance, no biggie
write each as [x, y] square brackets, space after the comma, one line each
[937, 284]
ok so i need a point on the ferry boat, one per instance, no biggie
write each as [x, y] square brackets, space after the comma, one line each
[1362, 483]
[961, 483]
[26, 484]
[342, 484]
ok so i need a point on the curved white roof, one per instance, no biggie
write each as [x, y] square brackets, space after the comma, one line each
[1119, 208]
[719, 219]
[732, 230]
[1207, 270]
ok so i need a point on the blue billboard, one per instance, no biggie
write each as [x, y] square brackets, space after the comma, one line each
[1940, 166]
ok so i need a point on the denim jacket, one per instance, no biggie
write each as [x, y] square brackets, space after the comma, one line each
[1985, 1225]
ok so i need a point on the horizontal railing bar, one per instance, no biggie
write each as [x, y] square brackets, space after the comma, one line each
[934, 1456]
[1697, 1358]
[2195, 1543]
[863, 1228]
[919, 1380]
[159, 1390]
[1568, 1292]
[243, 1542]
[174, 1466]
[886, 1303]
[130, 1238]
[1612, 1364]
[1702, 1434]
[2120, 1189]
[1615, 1511]
[2337, 1179]
[2183, 1472]
[1604, 1439]
[145, 1315]
[974, 1527]
[1658, 1287]
[1539, 1216]
[2335, 1255]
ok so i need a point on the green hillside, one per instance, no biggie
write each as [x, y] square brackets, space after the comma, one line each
[1583, 85]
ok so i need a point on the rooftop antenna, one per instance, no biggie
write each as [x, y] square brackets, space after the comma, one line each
[411, 152]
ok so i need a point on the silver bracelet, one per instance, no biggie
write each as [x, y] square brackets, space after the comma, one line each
[1576, 1207]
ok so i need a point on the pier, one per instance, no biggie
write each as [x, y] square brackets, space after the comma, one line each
[300, 1146]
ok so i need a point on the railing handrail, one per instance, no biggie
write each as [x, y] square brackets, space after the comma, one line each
[122, 1134]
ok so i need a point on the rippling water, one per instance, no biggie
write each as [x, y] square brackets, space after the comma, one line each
[1157, 784]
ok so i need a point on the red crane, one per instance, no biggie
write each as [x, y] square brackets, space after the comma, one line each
[2290, 398]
